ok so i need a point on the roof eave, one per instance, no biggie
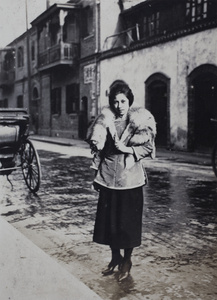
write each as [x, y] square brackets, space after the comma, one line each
[52, 9]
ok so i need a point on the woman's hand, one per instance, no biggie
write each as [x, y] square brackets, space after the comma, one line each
[121, 147]
[95, 186]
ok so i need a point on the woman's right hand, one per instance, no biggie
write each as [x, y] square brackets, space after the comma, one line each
[121, 147]
[95, 186]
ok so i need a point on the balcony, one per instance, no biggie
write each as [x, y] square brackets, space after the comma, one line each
[122, 39]
[61, 54]
[7, 67]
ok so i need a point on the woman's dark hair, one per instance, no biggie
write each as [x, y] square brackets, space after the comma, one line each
[120, 87]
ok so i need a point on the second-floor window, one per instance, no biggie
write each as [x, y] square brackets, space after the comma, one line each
[20, 101]
[143, 25]
[151, 25]
[20, 58]
[70, 30]
[87, 21]
[9, 61]
[196, 10]
[56, 101]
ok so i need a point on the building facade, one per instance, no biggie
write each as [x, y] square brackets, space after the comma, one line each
[61, 69]
[62, 31]
[51, 70]
[166, 50]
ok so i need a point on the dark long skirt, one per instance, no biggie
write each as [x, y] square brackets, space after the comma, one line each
[119, 218]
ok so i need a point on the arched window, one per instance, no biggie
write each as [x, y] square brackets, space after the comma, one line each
[20, 59]
[35, 94]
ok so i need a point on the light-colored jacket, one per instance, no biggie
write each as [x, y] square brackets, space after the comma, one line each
[115, 169]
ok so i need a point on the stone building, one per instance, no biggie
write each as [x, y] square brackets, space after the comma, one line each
[18, 72]
[165, 50]
[51, 69]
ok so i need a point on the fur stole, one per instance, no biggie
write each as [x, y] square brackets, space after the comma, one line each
[141, 128]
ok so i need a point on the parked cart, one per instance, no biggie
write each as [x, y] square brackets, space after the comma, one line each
[16, 150]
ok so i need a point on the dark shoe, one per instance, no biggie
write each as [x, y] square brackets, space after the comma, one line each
[112, 265]
[125, 270]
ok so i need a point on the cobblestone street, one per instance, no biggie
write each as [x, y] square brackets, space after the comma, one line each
[178, 255]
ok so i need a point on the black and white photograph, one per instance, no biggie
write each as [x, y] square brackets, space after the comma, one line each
[108, 149]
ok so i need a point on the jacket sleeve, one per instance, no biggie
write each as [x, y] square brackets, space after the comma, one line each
[95, 161]
[142, 151]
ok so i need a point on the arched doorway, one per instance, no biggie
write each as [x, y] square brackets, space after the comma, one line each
[202, 97]
[157, 93]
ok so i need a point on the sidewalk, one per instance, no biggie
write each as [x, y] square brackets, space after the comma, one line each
[203, 159]
[28, 273]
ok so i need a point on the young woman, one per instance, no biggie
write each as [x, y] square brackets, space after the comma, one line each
[120, 137]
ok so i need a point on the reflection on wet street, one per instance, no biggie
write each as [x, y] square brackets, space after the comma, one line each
[175, 203]
[178, 255]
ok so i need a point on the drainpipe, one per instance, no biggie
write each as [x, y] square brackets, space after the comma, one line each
[28, 62]
[47, 4]
[97, 71]
[51, 116]
[96, 25]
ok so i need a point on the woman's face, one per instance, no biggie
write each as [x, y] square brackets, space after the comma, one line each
[121, 104]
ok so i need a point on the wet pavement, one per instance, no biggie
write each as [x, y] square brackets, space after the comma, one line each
[178, 255]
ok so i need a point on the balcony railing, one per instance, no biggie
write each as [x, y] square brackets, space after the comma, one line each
[63, 53]
[122, 39]
[133, 38]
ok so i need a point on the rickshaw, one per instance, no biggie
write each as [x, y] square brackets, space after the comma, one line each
[16, 149]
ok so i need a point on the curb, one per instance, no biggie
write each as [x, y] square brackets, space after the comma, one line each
[27, 272]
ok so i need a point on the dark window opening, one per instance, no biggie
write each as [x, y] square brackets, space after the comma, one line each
[150, 25]
[33, 51]
[158, 102]
[70, 30]
[54, 28]
[4, 103]
[197, 10]
[72, 98]
[20, 58]
[205, 95]
[20, 101]
[35, 94]
[9, 61]
[87, 21]
[56, 101]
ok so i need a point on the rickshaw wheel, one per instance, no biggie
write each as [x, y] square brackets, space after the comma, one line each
[31, 167]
